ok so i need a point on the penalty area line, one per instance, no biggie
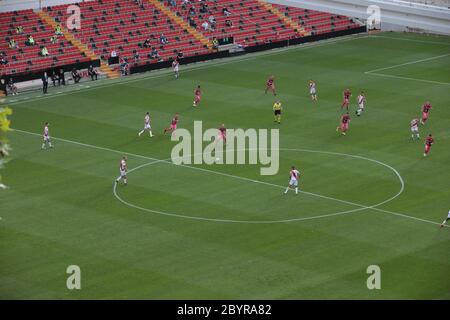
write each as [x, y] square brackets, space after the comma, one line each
[228, 175]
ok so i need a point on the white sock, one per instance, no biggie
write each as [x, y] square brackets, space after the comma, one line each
[141, 132]
[151, 134]
[287, 189]
[43, 146]
[125, 181]
[118, 179]
[296, 190]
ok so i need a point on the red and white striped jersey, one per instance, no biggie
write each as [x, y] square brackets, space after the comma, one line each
[123, 165]
[294, 174]
[361, 99]
[46, 131]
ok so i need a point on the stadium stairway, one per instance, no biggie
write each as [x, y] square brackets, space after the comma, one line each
[287, 21]
[110, 73]
[183, 24]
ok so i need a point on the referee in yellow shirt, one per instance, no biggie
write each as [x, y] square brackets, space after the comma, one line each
[277, 111]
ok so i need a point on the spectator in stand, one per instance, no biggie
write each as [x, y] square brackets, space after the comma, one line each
[147, 43]
[192, 22]
[184, 4]
[136, 56]
[3, 59]
[12, 87]
[204, 8]
[155, 54]
[215, 43]
[226, 12]
[92, 72]
[53, 39]
[113, 53]
[163, 39]
[124, 67]
[180, 55]
[140, 3]
[30, 41]
[173, 3]
[19, 29]
[205, 26]
[58, 30]
[75, 75]
[44, 51]
[13, 44]
[228, 23]
[192, 11]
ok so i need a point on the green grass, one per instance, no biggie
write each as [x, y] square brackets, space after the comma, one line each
[60, 209]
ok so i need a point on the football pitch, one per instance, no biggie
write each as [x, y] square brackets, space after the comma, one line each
[225, 231]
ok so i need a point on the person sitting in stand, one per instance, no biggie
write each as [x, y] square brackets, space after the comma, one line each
[155, 54]
[147, 43]
[136, 56]
[3, 59]
[180, 55]
[113, 53]
[58, 30]
[19, 29]
[53, 39]
[30, 41]
[192, 22]
[205, 26]
[226, 12]
[75, 75]
[163, 39]
[228, 23]
[92, 72]
[44, 51]
[204, 8]
[192, 11]
[12, 44]
[215, 43]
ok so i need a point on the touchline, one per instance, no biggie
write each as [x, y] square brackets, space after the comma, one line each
[250, 146]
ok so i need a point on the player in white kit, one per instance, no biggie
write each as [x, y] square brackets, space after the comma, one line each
[147, 125]
[176, 68]
[414, 124]
[123, 171]
[446, 219]
[46, 136]
[294, 175]
[312, 90]
[361, 102]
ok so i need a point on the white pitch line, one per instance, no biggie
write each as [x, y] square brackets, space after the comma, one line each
[256, 181]
[413, 40]
[407, 78]
[409, 63]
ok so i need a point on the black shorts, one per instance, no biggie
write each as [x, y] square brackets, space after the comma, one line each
[277, 112]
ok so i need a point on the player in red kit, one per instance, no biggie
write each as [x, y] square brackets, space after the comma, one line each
[346, 94]
[197, 96]
[428, 143]
[345, 120]
[270, 85]
[222, 134]
[173, 125]
[425, 110]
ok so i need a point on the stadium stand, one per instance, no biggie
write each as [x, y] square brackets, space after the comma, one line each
[125, 25]
[25, 58]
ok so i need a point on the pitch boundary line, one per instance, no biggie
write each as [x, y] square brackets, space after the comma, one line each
[408, 63]
[154, 159]
[379, 74]
[412, 40]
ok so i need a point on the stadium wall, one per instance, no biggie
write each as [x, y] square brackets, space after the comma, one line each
[395, 15]
[13, 5]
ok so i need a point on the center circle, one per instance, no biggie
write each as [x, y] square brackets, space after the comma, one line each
[359, 207]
